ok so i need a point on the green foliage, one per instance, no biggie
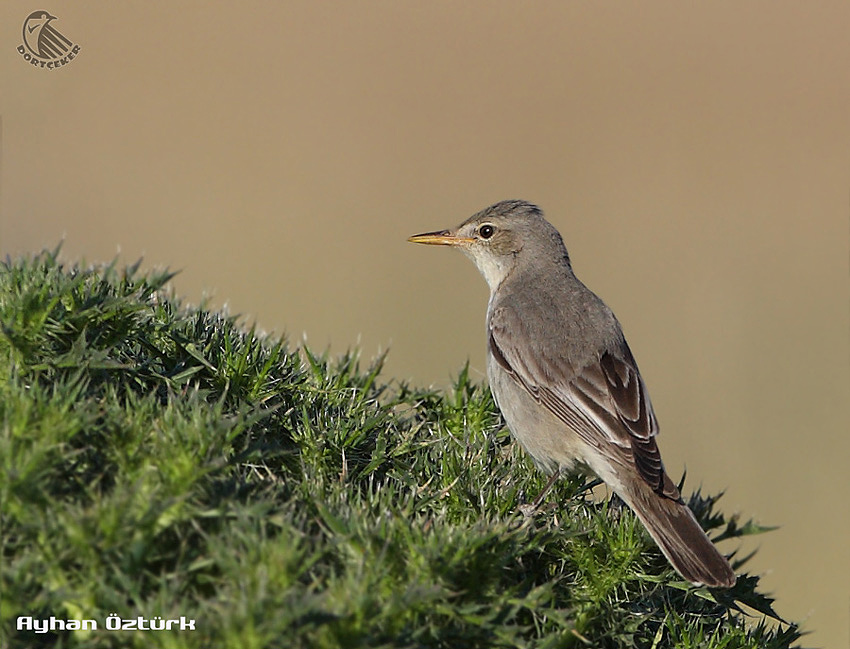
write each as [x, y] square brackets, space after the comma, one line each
[161, 461]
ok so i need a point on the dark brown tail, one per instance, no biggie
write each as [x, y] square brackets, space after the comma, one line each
[679, 536]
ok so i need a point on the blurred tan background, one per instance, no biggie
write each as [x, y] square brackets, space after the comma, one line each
[696, 157]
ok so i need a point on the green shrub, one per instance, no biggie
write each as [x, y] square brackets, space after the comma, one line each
[159, 460]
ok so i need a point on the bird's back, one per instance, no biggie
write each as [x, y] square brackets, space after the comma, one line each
[552, 307]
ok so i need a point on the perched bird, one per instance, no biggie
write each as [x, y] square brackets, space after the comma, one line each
[566, 382]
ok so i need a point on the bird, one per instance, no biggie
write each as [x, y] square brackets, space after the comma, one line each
[563, 376]
[42, 38]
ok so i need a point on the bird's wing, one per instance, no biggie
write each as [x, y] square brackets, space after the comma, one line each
[605, 402]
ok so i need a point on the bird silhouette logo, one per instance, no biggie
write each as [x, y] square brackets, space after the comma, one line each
[45, 46]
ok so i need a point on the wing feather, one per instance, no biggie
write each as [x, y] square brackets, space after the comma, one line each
[605, 402]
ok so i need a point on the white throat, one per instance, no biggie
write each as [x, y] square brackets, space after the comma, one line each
[494, 268]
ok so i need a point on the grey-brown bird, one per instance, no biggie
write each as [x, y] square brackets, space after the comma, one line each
[566, 382]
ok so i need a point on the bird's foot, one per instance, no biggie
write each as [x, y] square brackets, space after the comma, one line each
[528, 509]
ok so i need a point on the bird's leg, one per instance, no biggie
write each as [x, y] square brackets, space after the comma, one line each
[528, 510]
[615, 507]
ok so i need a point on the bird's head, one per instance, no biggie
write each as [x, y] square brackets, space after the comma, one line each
[37, 19]
[501, 237]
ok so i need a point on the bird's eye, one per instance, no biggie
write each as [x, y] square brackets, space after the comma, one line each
[486, 231]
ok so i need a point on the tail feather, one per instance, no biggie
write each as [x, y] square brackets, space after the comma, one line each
[676, 531]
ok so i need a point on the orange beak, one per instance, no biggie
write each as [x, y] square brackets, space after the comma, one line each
[440, 238]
